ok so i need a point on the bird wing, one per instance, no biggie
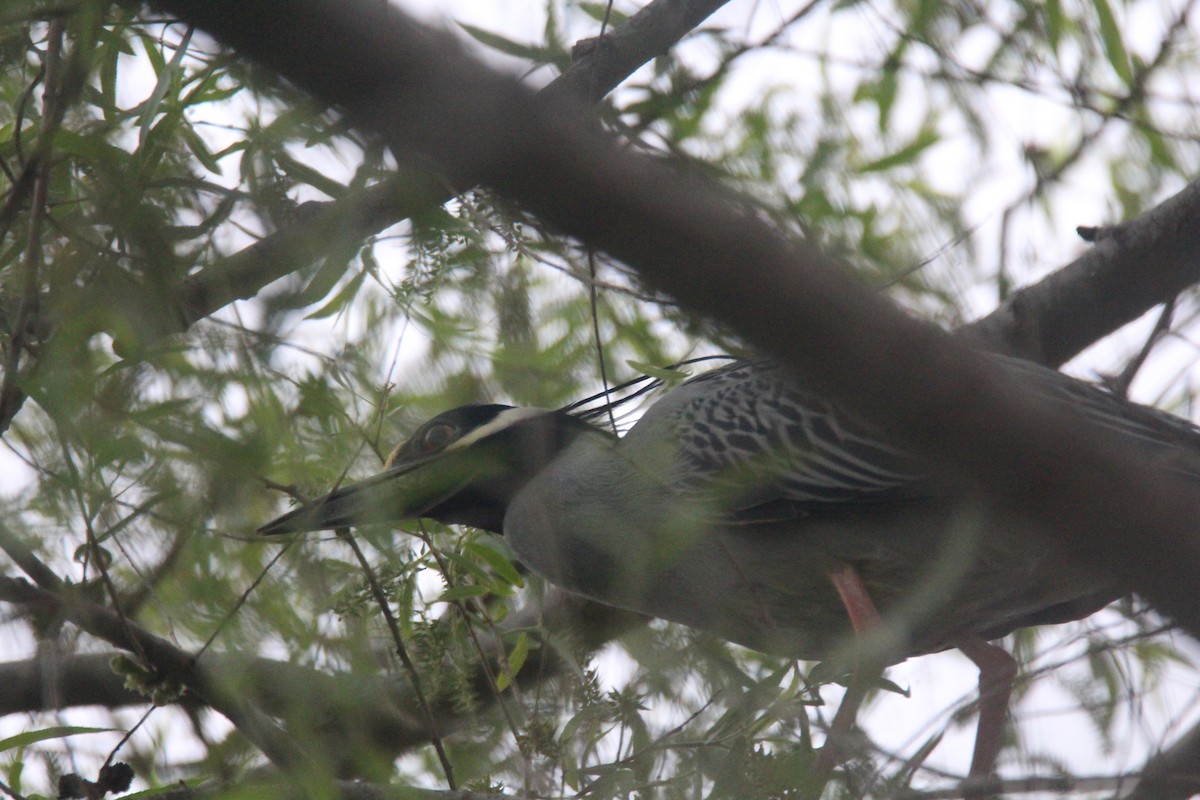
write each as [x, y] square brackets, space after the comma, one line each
[749, 433]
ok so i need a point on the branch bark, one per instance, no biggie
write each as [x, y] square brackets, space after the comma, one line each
[1135, 265]
[1132, 267]
[1173, 774]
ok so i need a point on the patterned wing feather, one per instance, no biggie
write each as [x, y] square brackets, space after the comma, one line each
[750, 431]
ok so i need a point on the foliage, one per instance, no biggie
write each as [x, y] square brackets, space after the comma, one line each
[140, 458]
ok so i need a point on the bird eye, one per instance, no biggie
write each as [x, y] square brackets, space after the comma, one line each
[435, 438]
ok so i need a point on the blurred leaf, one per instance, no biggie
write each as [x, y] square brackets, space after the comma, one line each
[466, 592]
[496, 560]
[1114, 45]
[339, 302]
[906, 155]
[57, 732]
[303, 173]
[671, 376]
[1055, 23]
[598, 12]
[534, 53]
[516, 660]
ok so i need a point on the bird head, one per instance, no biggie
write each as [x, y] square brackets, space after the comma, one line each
[461, 467]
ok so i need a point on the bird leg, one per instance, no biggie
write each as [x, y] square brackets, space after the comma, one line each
[859, 606]
[997, 673]
[864, 617]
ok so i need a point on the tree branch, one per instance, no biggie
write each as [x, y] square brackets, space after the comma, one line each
[1135, 265]
[164, 658]
[346, 714]
[1132, 267]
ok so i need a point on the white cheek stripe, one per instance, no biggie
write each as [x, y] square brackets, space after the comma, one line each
[508, 418]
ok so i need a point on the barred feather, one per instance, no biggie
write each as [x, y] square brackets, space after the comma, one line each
[749, 429]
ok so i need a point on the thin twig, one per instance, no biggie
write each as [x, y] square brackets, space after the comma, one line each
[595, 312]
[402, 651]
[1119, 384]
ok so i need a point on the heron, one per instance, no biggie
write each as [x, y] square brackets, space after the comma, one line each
[744, 504]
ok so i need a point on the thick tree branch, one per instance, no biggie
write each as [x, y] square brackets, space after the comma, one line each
[348, 711]
[1137, 264]
[1132, 267]
[38, 684]
[651, 32]
[347, 714]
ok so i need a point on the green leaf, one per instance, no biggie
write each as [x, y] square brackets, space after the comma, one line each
[341, 299]
[57, 732]
[1160, 148]
[509, 47]
[905, 155]
[151, 52]
[661, 373]
[90, 148]
[168, 75]
[332, 268]
[306, 174]
[885, 95]
[109, 57]
[15, 770]
[1055, 22]
[472, 567]
[891, 686]
[200, 150]
[828, 672]
[209, 90]
[516, 660]
[496, 560]
[882, 88]
[597, 11]
[456, 593]
[1114, 46]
